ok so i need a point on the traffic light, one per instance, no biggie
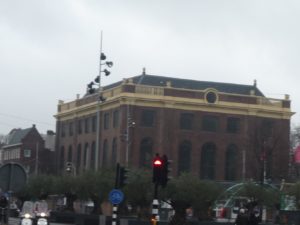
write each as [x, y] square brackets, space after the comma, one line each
[69, 167]
[161, 170]
[123, 176]
[157, 165]
[165, 170]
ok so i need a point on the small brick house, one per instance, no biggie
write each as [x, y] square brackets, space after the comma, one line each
[27, 147]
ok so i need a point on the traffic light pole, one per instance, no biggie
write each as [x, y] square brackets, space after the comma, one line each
[155, 204]
[114, 217]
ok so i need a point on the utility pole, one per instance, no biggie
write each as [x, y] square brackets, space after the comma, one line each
[37, 158]
[98, 110]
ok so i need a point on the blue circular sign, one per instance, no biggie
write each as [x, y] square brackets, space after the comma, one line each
[116, 196]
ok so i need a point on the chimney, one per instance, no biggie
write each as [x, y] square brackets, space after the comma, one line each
[255, 83]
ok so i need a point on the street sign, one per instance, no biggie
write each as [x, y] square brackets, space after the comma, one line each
[12, 177]
[116, 196]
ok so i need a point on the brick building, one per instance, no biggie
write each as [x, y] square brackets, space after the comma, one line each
[27, 148]
[219, 131]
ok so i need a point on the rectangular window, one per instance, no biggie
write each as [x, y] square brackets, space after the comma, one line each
[116, 119]
[94, 123]
[87, 125]
[27, 153]
[106, 121]
[71, 129]
[233, 125]
[267, 128]
[63, 131]
[79, 126]
[186, 121]
[210, 123]
[147, 119]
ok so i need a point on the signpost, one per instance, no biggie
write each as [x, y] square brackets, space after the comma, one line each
[116, 196]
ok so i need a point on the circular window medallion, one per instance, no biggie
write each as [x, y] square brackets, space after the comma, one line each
[211, 97]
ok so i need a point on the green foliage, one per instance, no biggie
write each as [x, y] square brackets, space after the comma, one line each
[139, 190]
[189, 191]
[265, 195]
[37, 186]
[91, 184]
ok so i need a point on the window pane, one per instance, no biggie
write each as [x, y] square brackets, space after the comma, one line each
[27, 153]
[184, 157]
[148, 118]
[106, 121]
[71, 129]
[78, 160]
[146, 153]
[93, 153]
[70, 154]
[79, 126]
[186, 121]
[208, 161]
[63, 131]
[233, 125]
[114, 152]
[230, 163]
[116, 119]
[94, 123]
[210, 123]
[105, 154]
[87, 125]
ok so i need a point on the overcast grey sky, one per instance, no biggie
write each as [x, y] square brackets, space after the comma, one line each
[49, 49]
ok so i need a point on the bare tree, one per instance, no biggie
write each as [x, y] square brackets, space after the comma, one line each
[269, 148]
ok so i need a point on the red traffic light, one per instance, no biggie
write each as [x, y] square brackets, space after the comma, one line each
[157, 162]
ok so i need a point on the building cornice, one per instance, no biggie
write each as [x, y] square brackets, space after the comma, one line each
[176, 98]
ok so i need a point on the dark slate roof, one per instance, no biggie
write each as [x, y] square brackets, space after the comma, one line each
[161, 81]
[196, 85]
[18, 135]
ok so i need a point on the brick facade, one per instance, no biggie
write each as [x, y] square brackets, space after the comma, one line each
[262, 130]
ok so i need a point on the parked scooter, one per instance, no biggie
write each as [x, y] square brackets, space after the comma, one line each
[42, 213]
[27, 213]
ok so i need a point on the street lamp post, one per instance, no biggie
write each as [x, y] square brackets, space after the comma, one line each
[100, 99]
[130, 124]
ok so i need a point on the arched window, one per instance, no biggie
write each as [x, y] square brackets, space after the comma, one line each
[231, 162]
[207, 167]
[86, 156]
[78, 159]
[105, 154]
[70, 154]
[184, 157]
[93, 155]
[146, 152]
[62, 158]
[114, 150]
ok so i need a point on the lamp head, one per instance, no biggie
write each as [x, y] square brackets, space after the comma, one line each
[109, 64]
[106, 72]
[103, 56]
[97, 79]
